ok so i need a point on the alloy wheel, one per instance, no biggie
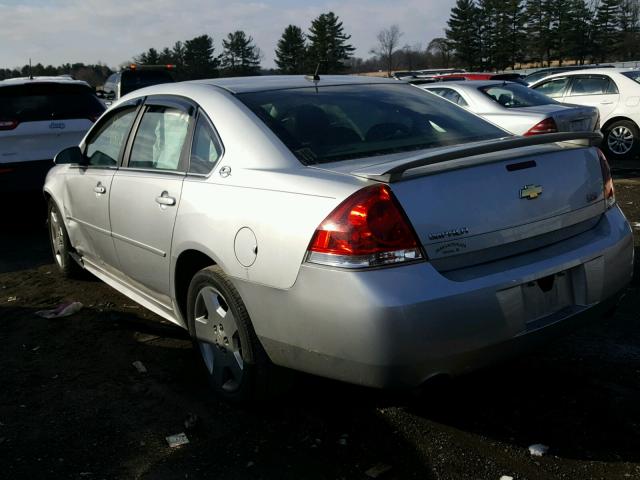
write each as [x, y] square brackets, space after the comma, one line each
[620, 140]
[218, 338]
[57, 237]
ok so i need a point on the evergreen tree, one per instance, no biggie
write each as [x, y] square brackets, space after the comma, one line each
[328, 45]
[578, 42]
[488, 21]
[199, 61]
[606, 29]
[240, 56]
[509, 34]
[539, 30]
[291, 51]
[463, 32]
[629, 22]
[150, 57]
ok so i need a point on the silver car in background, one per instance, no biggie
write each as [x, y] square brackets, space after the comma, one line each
[355, 228]
[517, 108]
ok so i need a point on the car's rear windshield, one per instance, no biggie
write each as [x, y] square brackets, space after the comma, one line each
[47, 101]
[634, 75]
[333, 123]
[134, 79]
[514, 95]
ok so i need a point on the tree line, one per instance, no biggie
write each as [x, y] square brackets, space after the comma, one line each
[496, 34]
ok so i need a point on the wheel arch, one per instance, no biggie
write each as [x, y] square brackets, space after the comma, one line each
[187, 264]
[617, 118]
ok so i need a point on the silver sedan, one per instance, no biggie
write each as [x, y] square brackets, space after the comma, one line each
[517, 108]
[355, 228]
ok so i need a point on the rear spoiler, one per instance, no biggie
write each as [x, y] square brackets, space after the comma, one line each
[458, 157]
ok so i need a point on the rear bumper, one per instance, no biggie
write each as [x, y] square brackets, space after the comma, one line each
[400, 326]
[24, 177]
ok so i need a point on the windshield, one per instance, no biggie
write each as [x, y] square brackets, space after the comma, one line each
[327, 124]
[634, 75]
[514, 95]
[48, 101]
[134, 79]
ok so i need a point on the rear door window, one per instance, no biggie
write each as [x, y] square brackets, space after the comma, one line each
[48, 101]
[592, 85]
[450, 95]
[513, 95]
[553, 88]
[160, 139]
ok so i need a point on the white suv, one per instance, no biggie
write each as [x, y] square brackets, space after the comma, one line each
[616, 94]
[40, 116]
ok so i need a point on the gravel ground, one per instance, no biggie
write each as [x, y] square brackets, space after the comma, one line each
[72, 405]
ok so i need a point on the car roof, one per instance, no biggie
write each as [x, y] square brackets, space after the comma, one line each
[469, 84]
[587, 71]
[31, 80]
[282, 82]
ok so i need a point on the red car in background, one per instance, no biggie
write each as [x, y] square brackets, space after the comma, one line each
[451, 77]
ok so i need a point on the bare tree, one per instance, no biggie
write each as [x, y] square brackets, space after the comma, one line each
[441, 50]
[388, 41]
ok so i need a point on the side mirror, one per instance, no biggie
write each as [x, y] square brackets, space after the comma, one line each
[100, 93]
[71, 155]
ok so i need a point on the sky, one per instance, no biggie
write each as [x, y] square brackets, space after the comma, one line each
[113, 31]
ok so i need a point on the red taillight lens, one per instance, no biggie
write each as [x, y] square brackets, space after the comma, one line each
[548, 125]
[607, 180]
[368, 229]
[8, 124]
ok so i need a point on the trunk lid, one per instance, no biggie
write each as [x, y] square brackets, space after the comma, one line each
[481, 208]
[568, 118]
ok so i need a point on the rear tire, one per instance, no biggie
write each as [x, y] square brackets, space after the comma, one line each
[236, 365]
[60, 244]
[621, 140]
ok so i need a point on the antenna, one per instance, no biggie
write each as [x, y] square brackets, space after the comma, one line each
[30, 72]
[315, 77]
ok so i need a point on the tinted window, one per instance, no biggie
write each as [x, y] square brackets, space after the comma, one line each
[635, 75]
[48, 101]
[134, 79]
[206, 149]
[591, 85]
[104, 147]
[327, 124]
[159, 139]
[513, 95]
[450, 95]
[553, 88]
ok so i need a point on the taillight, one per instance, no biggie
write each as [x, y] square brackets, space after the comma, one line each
[368, 229]
[548, 125]
[607, 180]
[8, 124]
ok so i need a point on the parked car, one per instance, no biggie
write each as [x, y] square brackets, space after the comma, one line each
[517, 108]
[404, 74]
[39, 116]
[133, 78]
[615, 92]
[545, 72]
[432, 72]
[350, 227]
[457, 77]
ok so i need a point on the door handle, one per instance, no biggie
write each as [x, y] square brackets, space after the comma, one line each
[99, 189]
[166, 200]
[606, 103]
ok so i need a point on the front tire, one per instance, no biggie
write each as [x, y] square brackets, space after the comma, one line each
[235, 362]
[621, 140]
[60, 244]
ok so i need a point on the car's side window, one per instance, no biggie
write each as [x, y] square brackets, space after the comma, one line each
[160, 139]
[205, 150]
[103, 148]
[450, 95]
[592, 85]
[553, 88]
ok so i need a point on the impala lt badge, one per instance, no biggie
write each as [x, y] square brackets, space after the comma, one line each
[531, 191]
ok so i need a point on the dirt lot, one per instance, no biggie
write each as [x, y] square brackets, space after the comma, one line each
[73, 406]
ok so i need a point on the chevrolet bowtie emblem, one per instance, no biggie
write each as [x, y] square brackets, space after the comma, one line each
[531, 191]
